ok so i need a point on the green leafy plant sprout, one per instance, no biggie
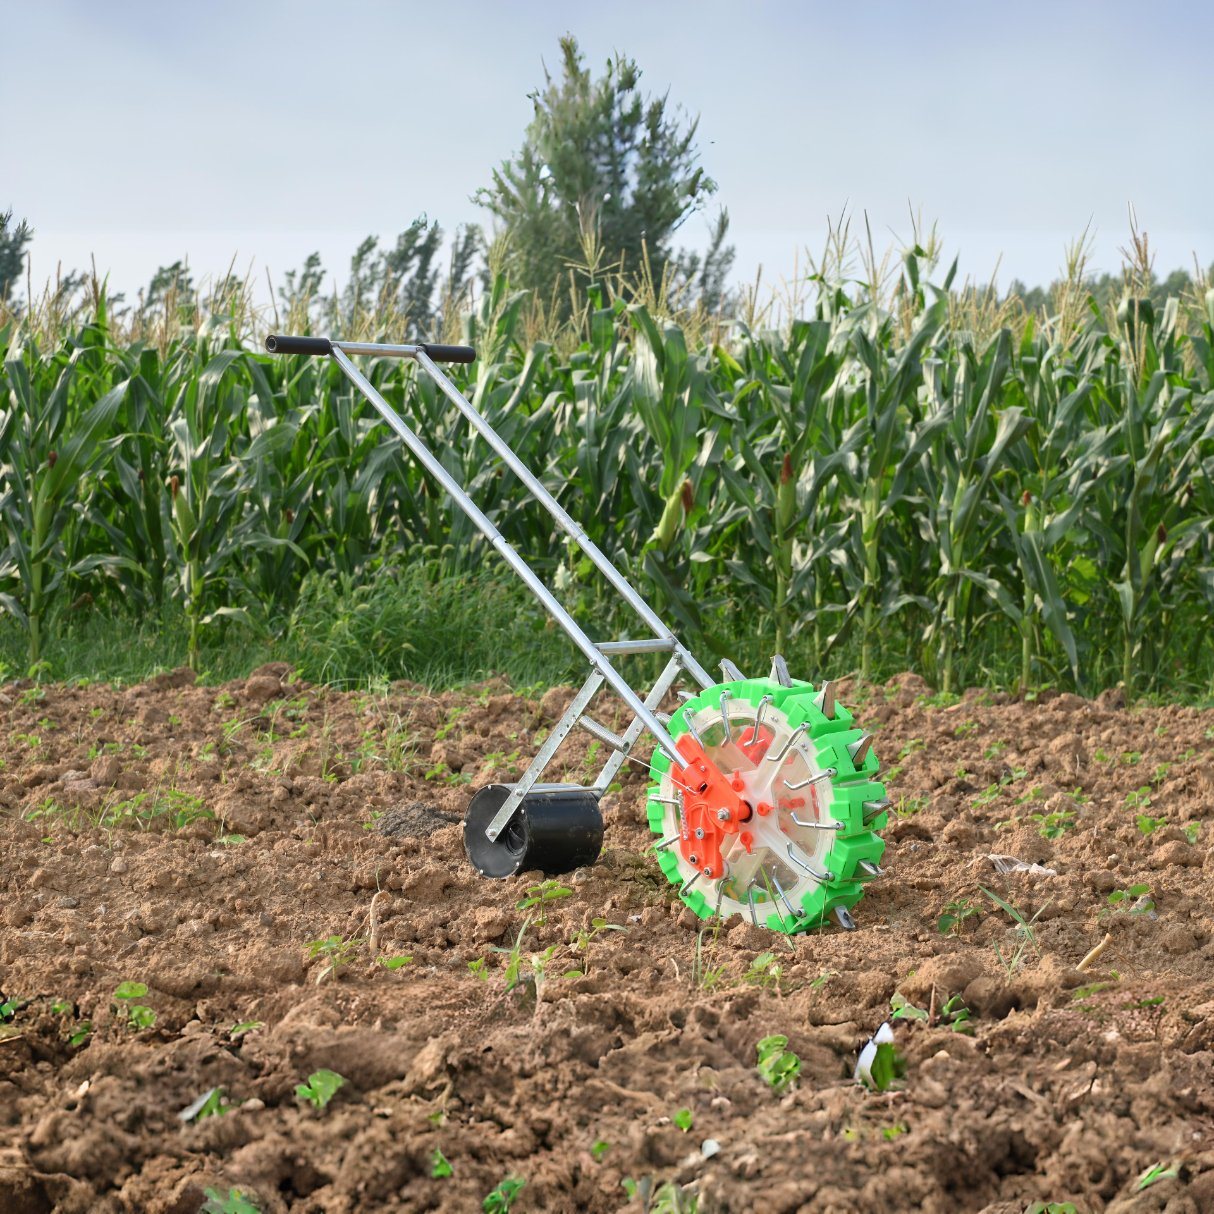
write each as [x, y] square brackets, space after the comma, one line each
[1052, 1207]
[1133, 901]
[1153, 1175]
[241, 1027]
[903, 1009]
[955, 913]
[320, 1088]
[684, 1119]
[704, 975]
[440, 1166]
[1148, 825]
[1054, 825]
[1026, 938]
[777, 1065]
[336, 953]
[599, 1148]
[542, 895]
[513, 955]
[235, 1201]
[136, 1015]
[765, 971]
[956, 1015]
[1138, 799]
[586, 936]
[500, 1199]
[477, 969]
[397, 962]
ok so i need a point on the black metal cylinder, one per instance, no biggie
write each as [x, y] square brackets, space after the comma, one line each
[553, 830]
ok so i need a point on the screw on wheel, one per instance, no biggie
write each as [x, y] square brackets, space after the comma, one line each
[776, 813]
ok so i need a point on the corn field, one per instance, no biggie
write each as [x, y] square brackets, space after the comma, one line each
[879, 481]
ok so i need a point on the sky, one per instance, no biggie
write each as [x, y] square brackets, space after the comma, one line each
[139, 133]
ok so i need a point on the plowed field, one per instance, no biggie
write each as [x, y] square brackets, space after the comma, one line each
[261, 857]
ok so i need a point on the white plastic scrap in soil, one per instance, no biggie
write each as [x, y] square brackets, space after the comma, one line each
[868, 1055]
[1009, 864]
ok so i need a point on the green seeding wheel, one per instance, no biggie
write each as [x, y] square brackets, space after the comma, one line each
[786, 833]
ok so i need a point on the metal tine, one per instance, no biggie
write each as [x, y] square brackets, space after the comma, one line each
[720, 897]
[846, 922]
[725, 716]
[691, 729]
[663, 844]
[754, 731]
[750, 901]
[828, 774]
[816, 825]
[666, 800]
[685, 695]
[788, 745]
[779, 671]
[874, 809]
[813, 872]
[664, 717]
[859, 749]
[731, 672]
[783, 896]
[690, 882]
[825, 700]
[873, 870]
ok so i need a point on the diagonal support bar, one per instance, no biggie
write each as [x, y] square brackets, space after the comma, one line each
[560, 731]
[615, 761]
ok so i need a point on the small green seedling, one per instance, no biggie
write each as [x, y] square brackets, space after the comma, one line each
[243, 1027]
[503, 1195]
[321, 1087]
[1147, 825]
[514, 955]
[1054, 825]
[137, 1015]
[80, 1034]
[336, 952]
[1052, 1207]
[956, 1015]
[1024, 930]
[1133, 901]
[234, 1202]
[599, 1148]
[684, 1119]
[955, 913]
[765, 971]
[477, 969]
[777, 1065]
[1155, 1173]
[210, 1104]
[440, 1165]
[903, 1009]
[541, 895]
[395, 963]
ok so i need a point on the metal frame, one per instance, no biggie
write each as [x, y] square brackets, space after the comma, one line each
[598, 654]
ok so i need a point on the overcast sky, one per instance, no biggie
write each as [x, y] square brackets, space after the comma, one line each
[142, 132]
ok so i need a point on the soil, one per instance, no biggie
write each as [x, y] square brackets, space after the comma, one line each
[201, 840]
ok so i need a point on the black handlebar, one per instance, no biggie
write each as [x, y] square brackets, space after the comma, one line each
[277, 344]
[450, 354]
[298, 345]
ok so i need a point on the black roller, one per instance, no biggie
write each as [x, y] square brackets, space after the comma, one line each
[553, 830]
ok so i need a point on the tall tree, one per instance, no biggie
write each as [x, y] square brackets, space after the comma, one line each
[13, 239]
[602, 168]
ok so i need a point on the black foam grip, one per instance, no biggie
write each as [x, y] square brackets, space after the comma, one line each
[450, 354]
[298, 345]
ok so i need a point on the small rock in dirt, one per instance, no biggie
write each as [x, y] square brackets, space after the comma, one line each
[428, 883]
[1178, 853]
[67, 902]
[949, 974]
[183, 676]
[261, 689]
[417, 820]
[1178, 940]
[488, 923]
[118, 866]
[688, 919]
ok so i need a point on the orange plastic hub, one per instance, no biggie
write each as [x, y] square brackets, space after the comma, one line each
[712, 809]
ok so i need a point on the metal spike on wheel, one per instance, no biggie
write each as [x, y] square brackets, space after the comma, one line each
[773, 816]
